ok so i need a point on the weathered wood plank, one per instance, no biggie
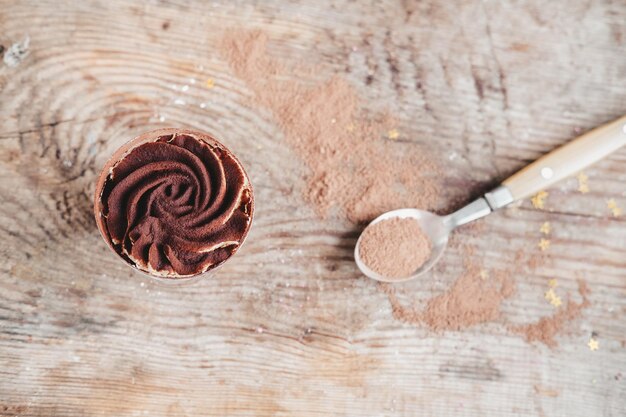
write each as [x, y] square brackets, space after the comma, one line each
[289, 327]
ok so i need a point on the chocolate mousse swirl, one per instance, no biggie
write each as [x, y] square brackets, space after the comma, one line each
[176, 203]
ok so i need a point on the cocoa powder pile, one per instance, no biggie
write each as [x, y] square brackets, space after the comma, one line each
[472, 299]
[546, 329]
[395, 248]
[476, 297]
[352, 164]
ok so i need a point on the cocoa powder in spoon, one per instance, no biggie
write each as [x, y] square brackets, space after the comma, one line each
[395, 248]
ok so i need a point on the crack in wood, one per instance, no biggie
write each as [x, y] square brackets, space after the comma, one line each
[503, 89]
[51, 125]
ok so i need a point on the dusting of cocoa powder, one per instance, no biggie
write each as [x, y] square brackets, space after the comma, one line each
[474, 298]
[352, 163]
[546, 329]
[394, 248]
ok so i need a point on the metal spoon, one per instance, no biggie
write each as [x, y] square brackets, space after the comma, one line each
[555, 166]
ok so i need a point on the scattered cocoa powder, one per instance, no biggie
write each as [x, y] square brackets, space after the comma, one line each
[395, 248]
[399, 312]
[474, 298]
[352, 165]
[356, 164]
[546, 328]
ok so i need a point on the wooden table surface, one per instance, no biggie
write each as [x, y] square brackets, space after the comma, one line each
[289, 327]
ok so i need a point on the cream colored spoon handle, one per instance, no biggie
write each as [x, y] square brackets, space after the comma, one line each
[568, 159]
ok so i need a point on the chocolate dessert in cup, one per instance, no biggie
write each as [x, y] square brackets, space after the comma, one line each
[174, 203]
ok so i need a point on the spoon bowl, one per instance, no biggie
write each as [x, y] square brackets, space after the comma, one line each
[434, 226]
[437, 228]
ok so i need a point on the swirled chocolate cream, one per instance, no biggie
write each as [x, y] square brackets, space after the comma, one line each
[174, 203]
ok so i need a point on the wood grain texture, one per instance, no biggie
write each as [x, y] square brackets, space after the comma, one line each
[289, 327]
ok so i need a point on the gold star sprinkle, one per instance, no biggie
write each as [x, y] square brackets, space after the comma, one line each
[484, 274]
[583, 187]
[615, 209]
[544, 244]
[539, 200]
[593, 344]
[393, 134]
[545, 228]
[209, 83]
[552, 283]
[552, 298]
[350, 127]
